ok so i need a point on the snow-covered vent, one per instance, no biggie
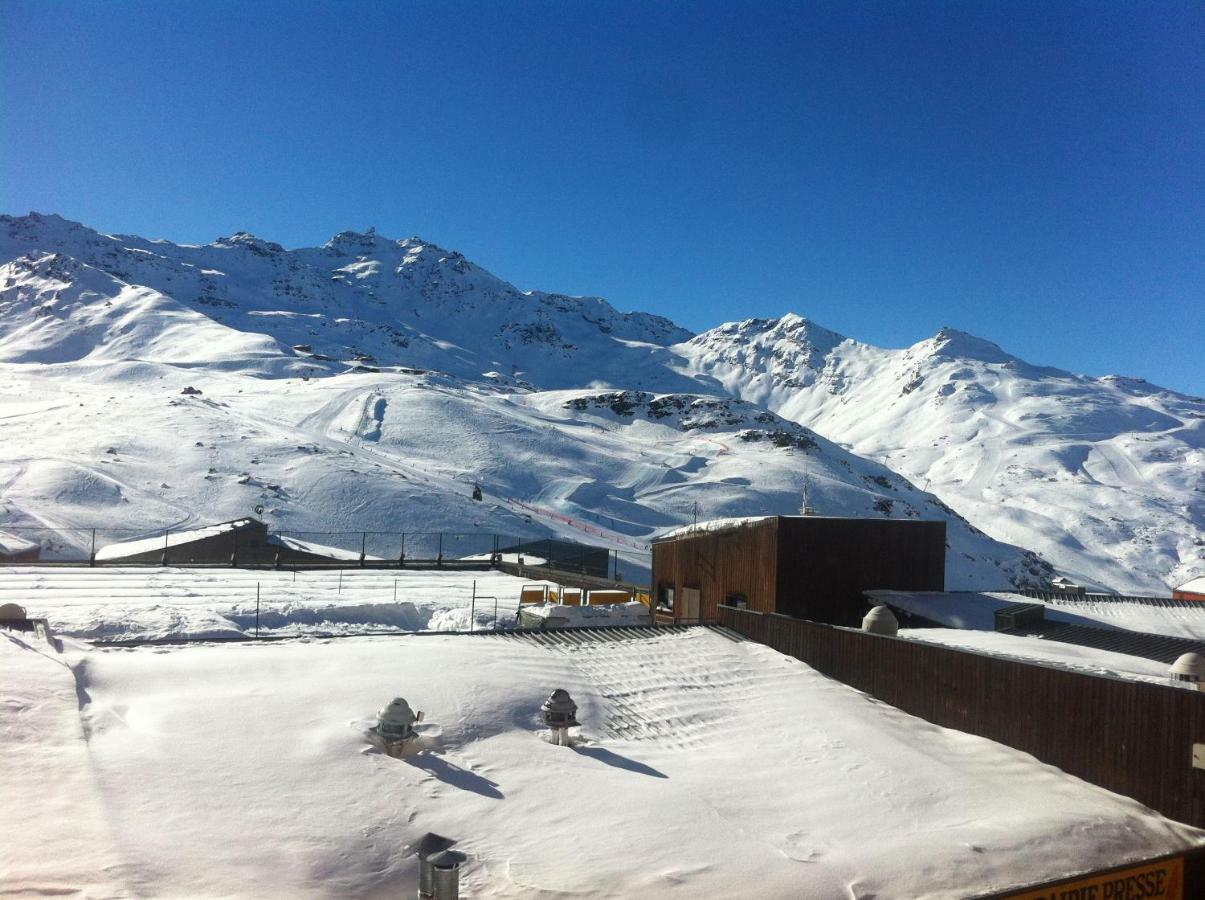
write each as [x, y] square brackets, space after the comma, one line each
[12, 612]
[395, 725]
[1190, 669]
[560, 714]
[439, 877]
[881, 620]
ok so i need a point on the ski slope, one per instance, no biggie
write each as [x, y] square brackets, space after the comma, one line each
[368, 384]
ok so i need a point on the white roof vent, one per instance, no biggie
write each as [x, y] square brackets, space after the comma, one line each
[560, 714]
[1190, 669]
[881, 620]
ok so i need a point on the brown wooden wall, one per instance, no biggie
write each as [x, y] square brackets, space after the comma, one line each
[1131, 737]
[736, 561]
[825, 564]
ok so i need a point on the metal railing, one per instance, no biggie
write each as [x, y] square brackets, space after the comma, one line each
[247, 543]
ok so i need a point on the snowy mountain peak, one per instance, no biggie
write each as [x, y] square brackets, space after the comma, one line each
[1101, 475]
[791, 334]
[954, 344]
[249, 241]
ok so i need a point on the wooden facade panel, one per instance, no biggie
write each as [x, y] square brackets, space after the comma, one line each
[1131, 737]
[825, 564]
[720, 564]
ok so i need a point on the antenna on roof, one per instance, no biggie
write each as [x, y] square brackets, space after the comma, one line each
[805, 509]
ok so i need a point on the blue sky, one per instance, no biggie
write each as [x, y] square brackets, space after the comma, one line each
[1030, 172]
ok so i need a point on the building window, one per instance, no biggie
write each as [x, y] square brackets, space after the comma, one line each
[665, 597]
[740, 601]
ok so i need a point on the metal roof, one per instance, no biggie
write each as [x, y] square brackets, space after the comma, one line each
[1159, 647]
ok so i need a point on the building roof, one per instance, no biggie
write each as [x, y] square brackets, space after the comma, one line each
[716, 525]
[732, 758]
[711, 526]
[1196, 586]
[12, 544]
[977, 609]
[169, 539]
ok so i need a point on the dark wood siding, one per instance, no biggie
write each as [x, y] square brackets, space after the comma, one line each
[734, 561]
[1131, 737]
[824, 564]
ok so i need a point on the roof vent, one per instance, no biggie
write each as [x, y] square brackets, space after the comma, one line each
[1190, 669]
[560, 714]
[395, 726]
[1020, 615]
[881, 620]
[445, 874]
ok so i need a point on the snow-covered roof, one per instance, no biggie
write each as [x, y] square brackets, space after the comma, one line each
[1047, 652]
[976, 610]
[12, 544]
[285, 540]
[712, 525]
[172, 539]
[1196, 586]
[704, 759]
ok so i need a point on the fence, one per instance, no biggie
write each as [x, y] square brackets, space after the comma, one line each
[1135, 738]
[247, 543]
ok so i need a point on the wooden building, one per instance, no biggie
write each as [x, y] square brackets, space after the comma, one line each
[17, 549]
[809, 567]
[1192, 590]
[244, 542]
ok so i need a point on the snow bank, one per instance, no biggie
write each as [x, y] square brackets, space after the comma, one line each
[553, 615]
[124, 602]
[242, 770]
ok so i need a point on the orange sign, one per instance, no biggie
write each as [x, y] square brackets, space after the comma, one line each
[1154, 881]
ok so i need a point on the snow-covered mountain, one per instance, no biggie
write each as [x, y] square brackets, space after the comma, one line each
[1102, 476]
[368, 383]
[360, 299]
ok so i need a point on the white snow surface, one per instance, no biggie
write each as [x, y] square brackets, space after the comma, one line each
[711, 525]
[11, 543]
[1057, 653]
[167, 540]
[1104, 477]
[976, 611]
[1196, 585]
[242, 771]
[369, 383]
[632, 613]
[134, 602]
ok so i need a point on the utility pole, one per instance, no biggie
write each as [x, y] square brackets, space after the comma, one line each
[696, 512]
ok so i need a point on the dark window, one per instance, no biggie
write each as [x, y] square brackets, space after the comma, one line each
[740, 601]
[665, 597]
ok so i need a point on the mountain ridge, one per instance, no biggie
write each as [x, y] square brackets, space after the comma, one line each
[953, 410]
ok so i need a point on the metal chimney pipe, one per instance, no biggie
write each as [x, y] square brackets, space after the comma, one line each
[445, 874]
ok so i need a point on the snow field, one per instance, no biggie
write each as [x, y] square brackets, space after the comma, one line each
[167, 602]
[711, 765]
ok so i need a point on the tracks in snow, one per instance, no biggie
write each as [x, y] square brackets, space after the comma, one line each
[677, 698]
